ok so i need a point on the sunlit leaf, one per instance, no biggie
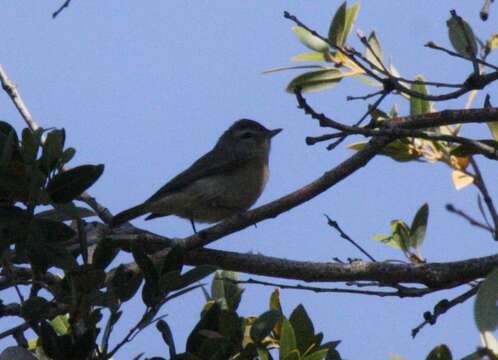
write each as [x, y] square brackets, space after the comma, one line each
[310, 56]
[309, 40]
[419, 106]
[397, 150]
[461, 179]
[316, 80]
[351, 14]
[375, 54]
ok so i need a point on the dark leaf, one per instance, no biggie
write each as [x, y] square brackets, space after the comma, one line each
[303, 328]
[64, 212]
[35, 309]
[419, 226]
[9, 143]
[173, 260]
[52, 150]
[167, 335]
[104, 253]
[50, 341]
[264, 324]
[125, 283]
[333, 354]
[48, 231]
[67, 155]
[440, 352]
[68, 185]
[461, 36]
[150, 291]
[208, 321]
[337, 27]
[31, 141]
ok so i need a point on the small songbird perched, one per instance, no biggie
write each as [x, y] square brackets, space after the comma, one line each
[225, 181]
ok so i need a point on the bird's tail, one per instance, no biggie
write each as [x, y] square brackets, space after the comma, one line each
[129, 214]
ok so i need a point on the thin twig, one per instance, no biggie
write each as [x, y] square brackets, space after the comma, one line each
[434, 46]
[345, 236]
[470, 219]
[410, 292]
[442, 307]
[11, 90]
[481, 185]
[59, 10]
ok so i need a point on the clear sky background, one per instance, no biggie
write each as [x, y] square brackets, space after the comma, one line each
[148, 87]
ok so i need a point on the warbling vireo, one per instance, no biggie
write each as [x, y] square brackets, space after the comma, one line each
[225, 181]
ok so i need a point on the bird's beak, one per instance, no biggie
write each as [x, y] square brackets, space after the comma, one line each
[272, 133]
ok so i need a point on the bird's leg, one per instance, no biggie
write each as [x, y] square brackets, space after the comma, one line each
[193, 225]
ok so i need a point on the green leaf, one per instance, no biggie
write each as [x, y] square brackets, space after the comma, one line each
[68, 185]
[461, 36]
[401, 234]
[375, 54]
[316, 80]
[263, 353]
[310, 56]
[60, 324]
[419, 226]
[264, 324]
[225, 290]
[303, 327]
[398, 150]
[64, 212]
[440, 352]
[167, 335]
[336, 30]
[317, 355]
[351, 14]
[287, 339]
[309, 40]
[419, 106]
[485, 308]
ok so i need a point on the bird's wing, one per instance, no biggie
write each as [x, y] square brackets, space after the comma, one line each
[215, 162]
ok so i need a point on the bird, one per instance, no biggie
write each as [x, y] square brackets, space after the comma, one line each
[225, 181]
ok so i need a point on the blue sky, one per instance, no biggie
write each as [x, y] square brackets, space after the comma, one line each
[147, 89]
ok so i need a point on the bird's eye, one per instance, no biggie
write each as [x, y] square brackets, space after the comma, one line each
[246, 135]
